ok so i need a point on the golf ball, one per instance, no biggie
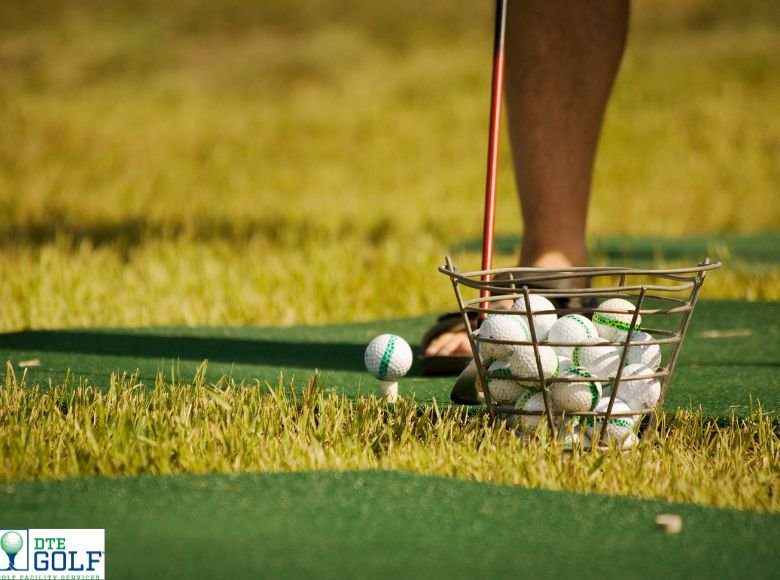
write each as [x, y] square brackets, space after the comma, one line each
[639, 394]
[630, 441]
[564, 364]
[542, 322]
[581, 395]
[504, 389]
[571, 434]
[644, 354]
[530, 401]
[618, 428]
[388, 357]
[601, 361]
[614, 326]
[523, 365]
[571, 329]
[501, 327]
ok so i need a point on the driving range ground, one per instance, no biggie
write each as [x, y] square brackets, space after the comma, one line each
[375, 524]
[730, 359]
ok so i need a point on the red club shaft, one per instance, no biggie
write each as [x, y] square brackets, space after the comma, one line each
[496, 92]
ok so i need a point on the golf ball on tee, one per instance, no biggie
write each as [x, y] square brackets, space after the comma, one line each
[614, 326]
[571, 329]
[388, 357]
[542, 322]
[501, 327]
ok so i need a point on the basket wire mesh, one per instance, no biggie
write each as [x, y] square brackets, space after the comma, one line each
[664, 297]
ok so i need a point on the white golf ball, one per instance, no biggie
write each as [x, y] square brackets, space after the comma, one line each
[542, 322]
[572, 434]
[501, 327]
[618, 428]
[388, 357]
[576, 396]
[530, 401]
[601, 361]
[505, 389]
[564, 364]
[523, 365]
[571, 329]
[639, 394]
[614, 326]
[644, 354]
[630, 441]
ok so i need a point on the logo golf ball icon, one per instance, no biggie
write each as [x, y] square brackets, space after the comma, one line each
[11, 543]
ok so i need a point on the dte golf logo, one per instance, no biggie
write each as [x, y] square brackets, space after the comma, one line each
[52, 554]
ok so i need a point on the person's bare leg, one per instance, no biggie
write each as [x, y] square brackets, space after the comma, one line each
[562, 59]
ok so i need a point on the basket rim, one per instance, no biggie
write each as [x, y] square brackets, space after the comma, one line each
[568, 272]
[476, 304]
[483, 279]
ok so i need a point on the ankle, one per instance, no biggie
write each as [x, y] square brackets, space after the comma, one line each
[553, 258]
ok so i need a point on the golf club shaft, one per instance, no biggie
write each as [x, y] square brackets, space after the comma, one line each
[496, 93]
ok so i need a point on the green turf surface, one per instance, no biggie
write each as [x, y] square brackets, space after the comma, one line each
[388, 525]
[732, 353]
[753, 249]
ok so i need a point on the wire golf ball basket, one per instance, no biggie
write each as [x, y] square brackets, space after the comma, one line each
[587, 349]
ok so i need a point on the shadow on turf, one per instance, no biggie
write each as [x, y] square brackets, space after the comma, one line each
[130, 232]
[259, 352]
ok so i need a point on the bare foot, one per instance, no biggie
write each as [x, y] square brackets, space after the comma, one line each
[449, 344]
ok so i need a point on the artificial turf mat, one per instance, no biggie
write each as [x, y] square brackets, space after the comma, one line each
[731, 356]
[754, 249]
[387, 525]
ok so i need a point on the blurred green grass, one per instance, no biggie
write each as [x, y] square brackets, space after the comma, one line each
[303, 162]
